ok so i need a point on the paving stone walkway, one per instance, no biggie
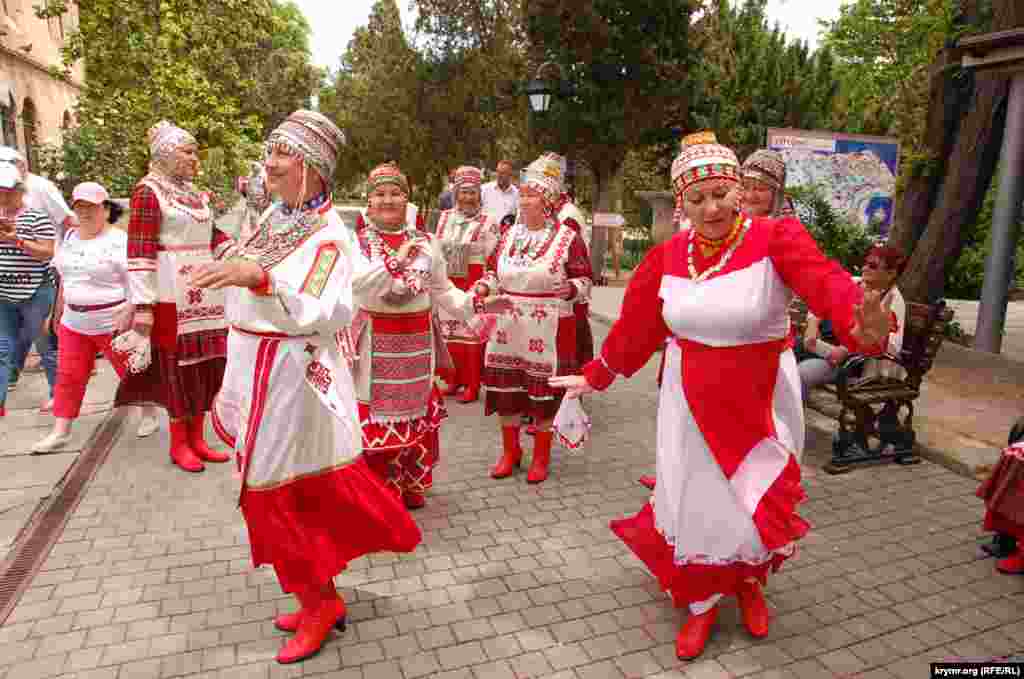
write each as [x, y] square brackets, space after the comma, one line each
[152, 577]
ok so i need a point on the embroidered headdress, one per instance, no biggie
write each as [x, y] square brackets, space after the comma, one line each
[467, 177]
[702, 157]
[164, 139]
[388, 173]
[545, 175]
[313, 137]
[768, 167]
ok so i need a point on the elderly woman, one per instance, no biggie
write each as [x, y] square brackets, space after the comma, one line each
[723, 512]
[468, 236]
[400, 279]
[92, 261]
[177, 345]
[822, 357]
[26, 279]
[287, 406]
[763, 177]
[543, 265]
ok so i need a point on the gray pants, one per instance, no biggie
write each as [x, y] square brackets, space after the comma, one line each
[815, 372]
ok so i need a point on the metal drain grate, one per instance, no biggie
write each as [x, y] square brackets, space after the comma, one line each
[34, 544]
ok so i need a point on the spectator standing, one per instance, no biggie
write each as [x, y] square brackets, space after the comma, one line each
[501, 197]
[26, 279]
[93, 265]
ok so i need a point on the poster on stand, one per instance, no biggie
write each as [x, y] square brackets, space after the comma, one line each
[856, 173]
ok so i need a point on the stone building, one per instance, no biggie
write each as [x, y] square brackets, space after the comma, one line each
[34, 105]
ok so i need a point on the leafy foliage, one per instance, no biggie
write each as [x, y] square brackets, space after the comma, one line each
[967, 276]
[199, 64]
[837, 237]
[433, 107]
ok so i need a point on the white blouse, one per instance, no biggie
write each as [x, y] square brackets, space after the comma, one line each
[93, 272]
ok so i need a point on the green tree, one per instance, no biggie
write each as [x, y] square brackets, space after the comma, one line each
[627, 65]
[197, 63]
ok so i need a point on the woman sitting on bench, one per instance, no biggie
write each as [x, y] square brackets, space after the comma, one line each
[821, 356]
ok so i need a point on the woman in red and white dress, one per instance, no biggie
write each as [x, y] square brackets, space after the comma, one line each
[287, 406]
[543, 266]
[723, 512]
[468, 236]
[177, 345]
[400, 279]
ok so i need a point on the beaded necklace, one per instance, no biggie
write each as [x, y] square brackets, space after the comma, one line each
[182, 194]
[379, 248]
[709, 246]
[528, 244]
[707, 273]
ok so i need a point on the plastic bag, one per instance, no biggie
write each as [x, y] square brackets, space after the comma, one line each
[571, 424]
[138, 350]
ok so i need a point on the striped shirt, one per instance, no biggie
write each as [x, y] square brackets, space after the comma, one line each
[21, 274]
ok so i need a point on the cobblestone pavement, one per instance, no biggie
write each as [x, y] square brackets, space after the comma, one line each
[152, 576]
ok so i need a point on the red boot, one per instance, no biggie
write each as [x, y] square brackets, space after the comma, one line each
[317, 617]
[472, 392]
[1013, 564]
[754, 609]
[414, 500]
[289, 622]
[452, 390]
[512, 454]
[181, 452]
[647, 482]
[694, 633]
[541, 458]
[197, 440]
[470, 395]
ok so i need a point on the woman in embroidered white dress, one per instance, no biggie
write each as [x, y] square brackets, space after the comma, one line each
[287, 406]
[178, 340]
[543, 265]
[400, 278]
[468, 236]
[723, 512]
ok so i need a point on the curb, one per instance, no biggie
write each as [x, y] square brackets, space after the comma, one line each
[925, 446]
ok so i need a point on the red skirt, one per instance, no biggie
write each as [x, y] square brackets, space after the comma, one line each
[183, 390]
[1003, 493]
[692, 582]
[536, 398]
[393, 436]
[311, 528]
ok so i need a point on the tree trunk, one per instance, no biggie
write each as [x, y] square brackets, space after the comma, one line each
[969, 171]
[969, 168]
[604, 180]
[945, 112]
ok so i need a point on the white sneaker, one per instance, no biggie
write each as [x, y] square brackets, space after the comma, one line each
[51, 443]
[148, 426]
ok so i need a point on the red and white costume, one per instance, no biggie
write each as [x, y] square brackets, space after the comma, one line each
[288, 409]
[466, 242]
[538, 338]
[397, 348]
[730, 424]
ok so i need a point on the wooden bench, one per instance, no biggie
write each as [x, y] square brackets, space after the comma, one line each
[876, 415]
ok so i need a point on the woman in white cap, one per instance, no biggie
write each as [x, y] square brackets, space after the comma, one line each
[288, 403]
[92, 262]
[542, 265]
[723, 513]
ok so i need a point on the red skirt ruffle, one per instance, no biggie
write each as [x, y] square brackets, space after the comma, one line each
[309, 529]
[1003, 493]
[693, 582]
[378, 436]
[184, 390]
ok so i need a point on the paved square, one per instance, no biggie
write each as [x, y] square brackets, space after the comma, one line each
[152, 577]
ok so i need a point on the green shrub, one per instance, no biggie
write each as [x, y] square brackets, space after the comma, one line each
[838, 237]
[966, 278]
